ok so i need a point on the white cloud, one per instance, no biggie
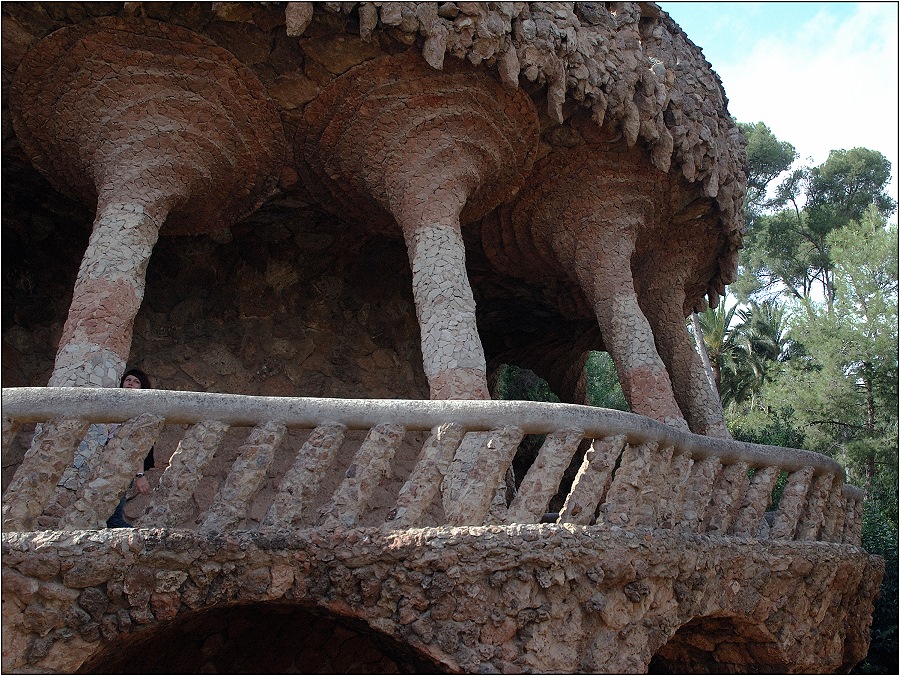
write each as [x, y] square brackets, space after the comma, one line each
[833, 87]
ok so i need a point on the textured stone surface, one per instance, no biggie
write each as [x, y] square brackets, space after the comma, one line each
[197, 152]
[564, 599]
[653, 485]
[395, 140]
[299, 484]
[425, 481]
[186, 468]
[245, 478]
[466, 185]
[592, 481]
[41, 468]
[472, 479]
[596, 214]
[624, 67]
[543, 478]
[111, 473]
[370, 466]
[663, 477]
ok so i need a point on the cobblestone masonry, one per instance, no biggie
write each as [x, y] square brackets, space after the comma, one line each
[393, 139]
[417, 120]
[680, 490]
[513, 599]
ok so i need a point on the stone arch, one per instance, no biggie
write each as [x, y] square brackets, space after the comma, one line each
[721, 645]
[263, 637]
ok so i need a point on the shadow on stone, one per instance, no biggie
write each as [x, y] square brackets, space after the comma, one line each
[260, 639]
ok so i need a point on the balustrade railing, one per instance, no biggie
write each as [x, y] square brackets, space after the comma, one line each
[634, 473]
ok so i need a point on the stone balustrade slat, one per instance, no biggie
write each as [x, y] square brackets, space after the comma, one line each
[790, 508]
[172, 500]
[840, 522]
[112, 472]
[475, 473]
[424, 483]
[833, 530]
[813, 517]
[727, 498]
[853, 522]
[243, 482]
[839, 505]
[756, 500]
[632, 497]
[503, 497]
[10, 427]
[298, 486]
[592, 480]
[673, 490]
[653, 497]
[51, 451]
[370, 465]
[696, 494]
[542, 480]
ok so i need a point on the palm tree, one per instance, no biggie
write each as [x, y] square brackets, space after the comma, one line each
[715, 325]
[742, 355]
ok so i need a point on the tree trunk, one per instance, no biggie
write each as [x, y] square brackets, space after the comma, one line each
[704, 355]
[870, 421]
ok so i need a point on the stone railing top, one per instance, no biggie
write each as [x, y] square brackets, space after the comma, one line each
[39, 404]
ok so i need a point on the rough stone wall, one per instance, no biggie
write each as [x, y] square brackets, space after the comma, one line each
[239, 316]
[500, 600]
[298, 306]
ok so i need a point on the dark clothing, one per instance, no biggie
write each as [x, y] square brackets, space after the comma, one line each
[117, 520]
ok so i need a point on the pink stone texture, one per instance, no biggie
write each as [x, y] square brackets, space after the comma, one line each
[605, 218]
[395, 141]
[157, 125]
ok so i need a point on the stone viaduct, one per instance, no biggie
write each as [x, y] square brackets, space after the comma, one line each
[322, 228]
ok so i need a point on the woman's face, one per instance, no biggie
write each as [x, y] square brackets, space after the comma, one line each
[132, 382]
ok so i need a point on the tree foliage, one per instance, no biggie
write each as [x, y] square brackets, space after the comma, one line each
[767, 159]
[744, 344]
[809, 358]
[788, 251]
[603, 388]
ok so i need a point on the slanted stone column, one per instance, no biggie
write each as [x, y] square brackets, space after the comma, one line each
[663, 281]
[96, 338]
[585, 209]
[395, 141]
[160, 127]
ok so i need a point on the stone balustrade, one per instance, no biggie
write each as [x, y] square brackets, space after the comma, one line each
[636, 472]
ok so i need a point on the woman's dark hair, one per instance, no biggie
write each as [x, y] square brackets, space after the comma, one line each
[140, 375]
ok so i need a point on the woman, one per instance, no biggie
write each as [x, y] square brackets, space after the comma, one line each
[133, 379]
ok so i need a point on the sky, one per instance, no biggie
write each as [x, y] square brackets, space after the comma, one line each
[821, 75]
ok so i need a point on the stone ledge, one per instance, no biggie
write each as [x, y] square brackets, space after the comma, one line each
[488, 599]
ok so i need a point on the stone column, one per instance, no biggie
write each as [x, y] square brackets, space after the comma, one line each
[445, 307]
[113, 110]
[663, 300]
[162, 128]
[395, 142]
[585, 210]
[603, 268]
[96, 338]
